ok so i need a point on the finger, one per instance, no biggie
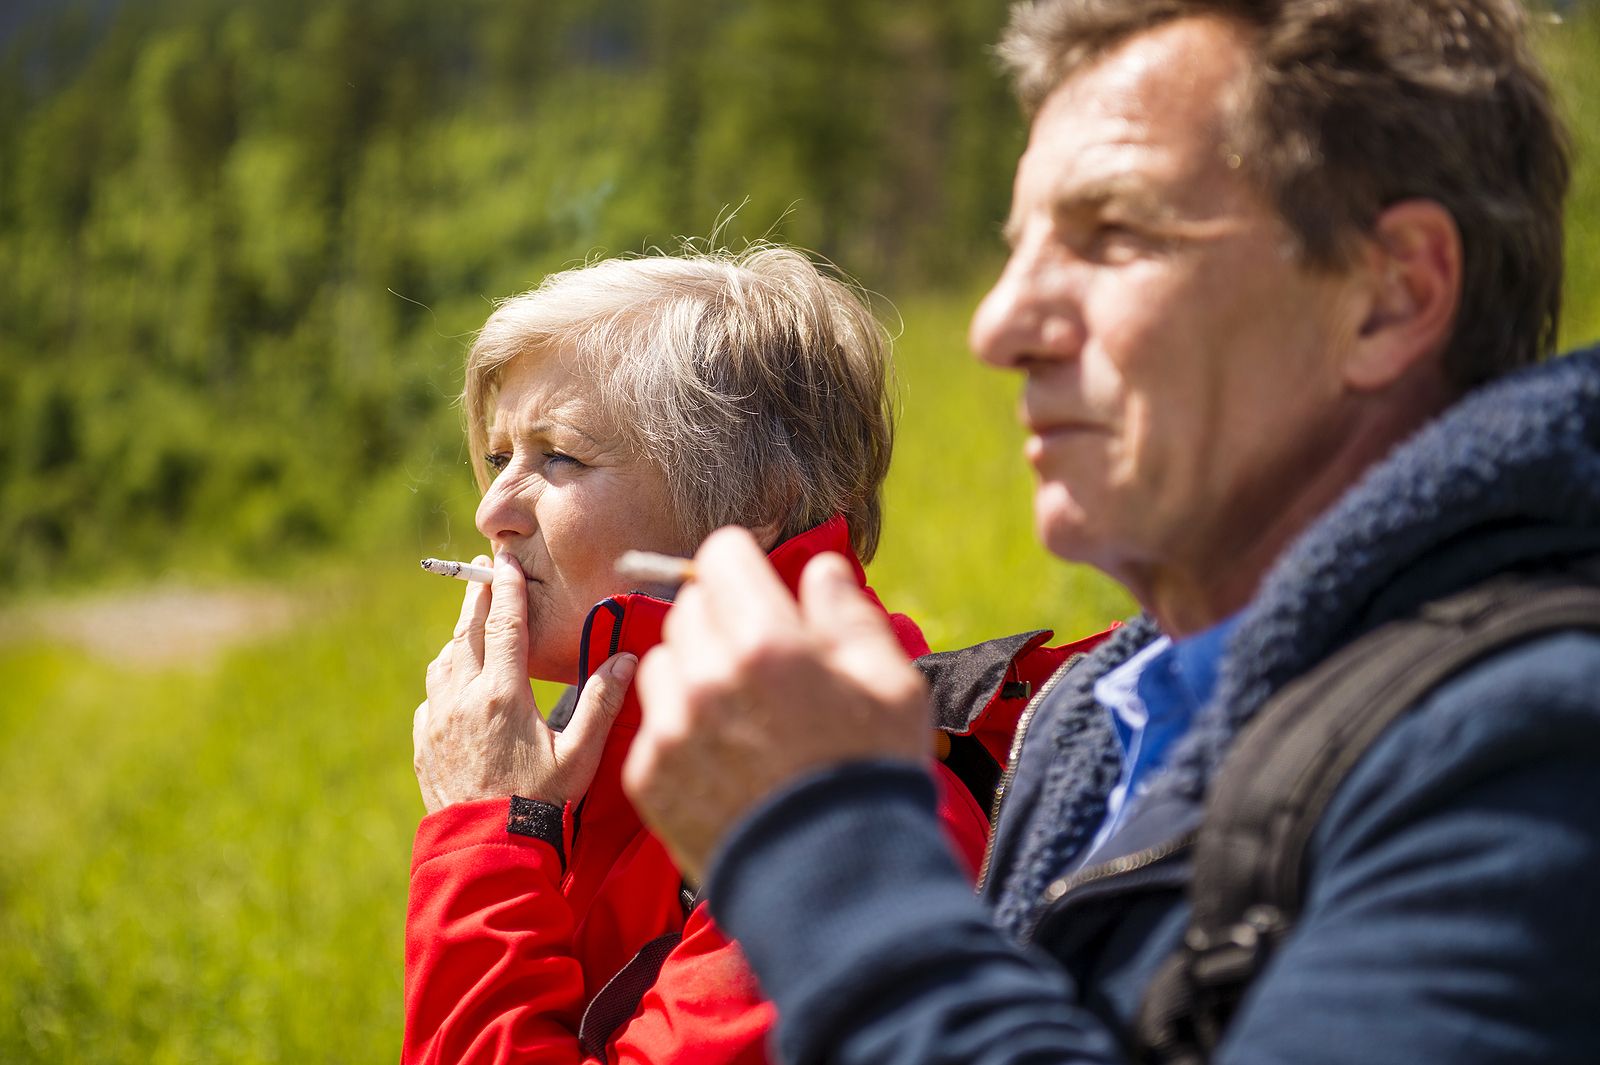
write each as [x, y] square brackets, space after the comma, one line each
[851, 626]
[579, 745]
[656, 776]
[419, 727]
[439, 670]
[660, 689]
[742, 590]
[466, 649]
[421, 759]
[505, 627]
[692, 637]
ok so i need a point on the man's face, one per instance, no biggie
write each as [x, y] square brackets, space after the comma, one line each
[1181, 366]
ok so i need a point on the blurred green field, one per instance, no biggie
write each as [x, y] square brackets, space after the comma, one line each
[210, 864]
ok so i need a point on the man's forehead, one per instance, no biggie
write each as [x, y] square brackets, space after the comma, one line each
[1179, 69]
[1161, 100]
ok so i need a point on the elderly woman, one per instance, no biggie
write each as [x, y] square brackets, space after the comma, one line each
[635, 403]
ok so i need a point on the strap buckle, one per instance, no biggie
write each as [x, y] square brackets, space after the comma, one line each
[1219, 967]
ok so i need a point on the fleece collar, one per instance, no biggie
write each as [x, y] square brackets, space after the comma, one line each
[1509, 477]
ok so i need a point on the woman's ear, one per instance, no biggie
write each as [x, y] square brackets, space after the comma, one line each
[767, 535]
[1413, 259]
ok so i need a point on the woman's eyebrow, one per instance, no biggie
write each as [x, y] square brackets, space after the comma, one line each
[546, 426]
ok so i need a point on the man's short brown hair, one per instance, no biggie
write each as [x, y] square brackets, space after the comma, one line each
[1356, 105]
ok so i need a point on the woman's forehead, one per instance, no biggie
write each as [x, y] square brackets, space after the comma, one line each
[540, 389]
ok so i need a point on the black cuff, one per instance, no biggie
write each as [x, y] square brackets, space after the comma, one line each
[540, 820]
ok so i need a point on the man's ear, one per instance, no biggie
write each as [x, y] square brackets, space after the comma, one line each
[1414, 261]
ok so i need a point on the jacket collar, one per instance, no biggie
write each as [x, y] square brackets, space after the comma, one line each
[632, 621]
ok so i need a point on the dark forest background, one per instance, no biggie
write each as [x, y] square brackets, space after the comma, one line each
[245, 244]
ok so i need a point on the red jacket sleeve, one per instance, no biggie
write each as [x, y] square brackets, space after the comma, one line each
[490, 975]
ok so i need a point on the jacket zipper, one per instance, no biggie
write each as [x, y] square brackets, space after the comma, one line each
[1010, 773]
[1129, 863]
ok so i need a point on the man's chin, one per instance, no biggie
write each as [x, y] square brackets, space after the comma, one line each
[1061, 525]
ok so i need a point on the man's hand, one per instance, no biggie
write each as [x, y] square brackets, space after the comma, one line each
[479, 735]
[750, 690]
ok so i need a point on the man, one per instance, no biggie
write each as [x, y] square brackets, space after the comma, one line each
[1279, 272]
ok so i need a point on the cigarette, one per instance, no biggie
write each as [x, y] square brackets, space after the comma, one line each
[651, 568]
[461, 571]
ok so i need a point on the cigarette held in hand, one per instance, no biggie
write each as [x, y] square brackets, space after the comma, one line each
[651, 568]
[461, 571]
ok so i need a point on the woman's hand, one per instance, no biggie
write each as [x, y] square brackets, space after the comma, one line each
[479, 734]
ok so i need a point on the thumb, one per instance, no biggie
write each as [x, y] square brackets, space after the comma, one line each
[579, 745]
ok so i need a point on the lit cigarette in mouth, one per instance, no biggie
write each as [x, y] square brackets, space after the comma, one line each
[651, 568]
[645, 566]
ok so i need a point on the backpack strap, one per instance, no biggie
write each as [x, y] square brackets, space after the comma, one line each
[1271, 792]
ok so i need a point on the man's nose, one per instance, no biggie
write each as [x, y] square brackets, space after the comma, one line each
[1028, 315]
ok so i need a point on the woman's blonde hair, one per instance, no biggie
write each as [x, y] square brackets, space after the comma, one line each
[757, 382]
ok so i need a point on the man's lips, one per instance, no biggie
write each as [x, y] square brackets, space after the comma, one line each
[1042, 434]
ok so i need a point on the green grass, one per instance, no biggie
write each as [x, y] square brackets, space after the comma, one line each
[211, 865]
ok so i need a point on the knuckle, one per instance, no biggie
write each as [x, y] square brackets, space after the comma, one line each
[770, 653]
[503, 695]
[501, 625]
[906, 688]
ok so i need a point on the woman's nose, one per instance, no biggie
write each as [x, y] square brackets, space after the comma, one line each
[504, 514]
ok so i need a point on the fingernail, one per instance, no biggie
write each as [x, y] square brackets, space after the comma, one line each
[623, 666]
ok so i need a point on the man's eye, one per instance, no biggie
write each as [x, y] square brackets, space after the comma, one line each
[1111, 238]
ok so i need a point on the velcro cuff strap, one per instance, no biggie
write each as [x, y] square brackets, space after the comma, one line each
[540, 820]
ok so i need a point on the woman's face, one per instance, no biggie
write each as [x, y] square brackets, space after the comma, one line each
[570, 494]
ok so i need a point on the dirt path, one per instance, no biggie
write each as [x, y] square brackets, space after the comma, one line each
[156, 628]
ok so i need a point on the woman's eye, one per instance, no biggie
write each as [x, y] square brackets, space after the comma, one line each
[497, 461]
[555, 459]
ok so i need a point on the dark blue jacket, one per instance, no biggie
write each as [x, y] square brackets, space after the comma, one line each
[1453, 902]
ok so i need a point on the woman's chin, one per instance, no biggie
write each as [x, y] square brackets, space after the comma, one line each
[563, 672]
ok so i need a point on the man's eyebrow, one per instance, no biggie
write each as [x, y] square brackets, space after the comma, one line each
[1128, 193]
